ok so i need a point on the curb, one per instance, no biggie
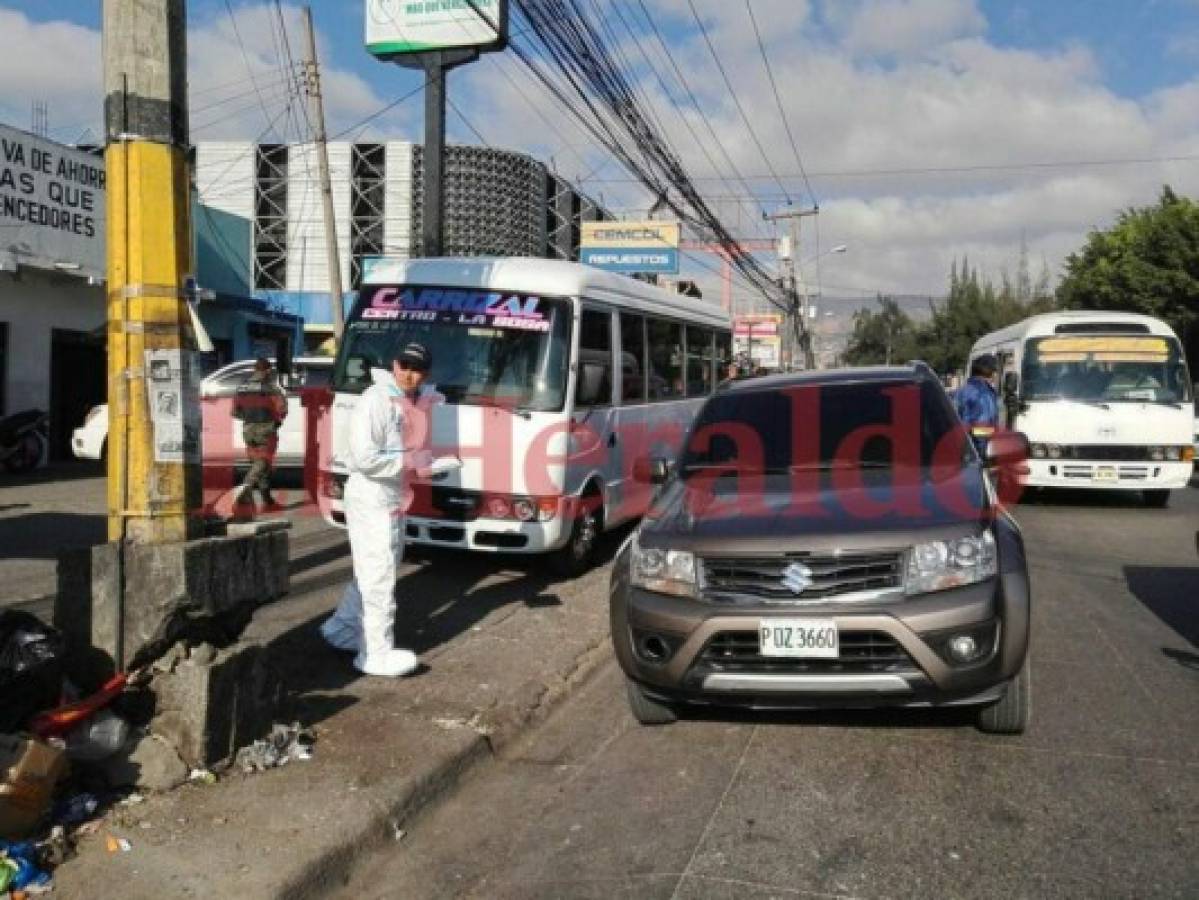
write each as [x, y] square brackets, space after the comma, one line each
[330, 869]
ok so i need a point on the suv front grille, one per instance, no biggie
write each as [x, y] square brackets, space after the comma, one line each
[860, 652]
[832, 575]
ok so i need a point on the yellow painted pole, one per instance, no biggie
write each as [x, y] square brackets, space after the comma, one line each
[149, 256]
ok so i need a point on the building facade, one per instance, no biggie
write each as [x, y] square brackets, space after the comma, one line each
[497, 202]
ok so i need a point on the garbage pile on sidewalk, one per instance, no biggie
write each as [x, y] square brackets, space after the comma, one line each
[67, 758]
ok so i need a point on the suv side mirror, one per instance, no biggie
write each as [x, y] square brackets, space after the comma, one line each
[1007, 448]
[651, 470]
[1011, 385]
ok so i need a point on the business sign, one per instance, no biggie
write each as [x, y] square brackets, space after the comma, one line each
[397, 27]
[457, 306]
[631, 247]
[51, 204]
[758, 338]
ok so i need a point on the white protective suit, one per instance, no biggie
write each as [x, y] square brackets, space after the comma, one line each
[388, 441]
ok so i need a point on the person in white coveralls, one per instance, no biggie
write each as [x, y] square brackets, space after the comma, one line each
[389, 440]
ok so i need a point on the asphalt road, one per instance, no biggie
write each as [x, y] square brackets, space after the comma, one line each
[1099, 799]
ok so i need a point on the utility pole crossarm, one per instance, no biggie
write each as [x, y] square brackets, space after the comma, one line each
[799, 303]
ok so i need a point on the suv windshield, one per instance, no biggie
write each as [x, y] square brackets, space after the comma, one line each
[821, 426]
[488, 347]
[1105, 369]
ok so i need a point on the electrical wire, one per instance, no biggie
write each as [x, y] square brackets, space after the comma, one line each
[733, 93]
[779, 102]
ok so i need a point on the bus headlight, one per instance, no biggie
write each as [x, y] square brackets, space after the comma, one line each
[1038, 451]
[1174, 454]
[524, 510]
[1157, 454]
[1055, 452]
[498, 508]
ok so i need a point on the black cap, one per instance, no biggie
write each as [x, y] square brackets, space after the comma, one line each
[417, 356]
[985, 364]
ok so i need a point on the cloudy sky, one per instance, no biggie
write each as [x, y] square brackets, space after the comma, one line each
[929, 129]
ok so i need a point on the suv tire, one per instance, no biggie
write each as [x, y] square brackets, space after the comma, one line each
[1011, 713]
[646, 710]
[1157, 499]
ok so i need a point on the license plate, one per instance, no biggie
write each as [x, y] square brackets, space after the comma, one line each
[810, 638]
[1106, 473]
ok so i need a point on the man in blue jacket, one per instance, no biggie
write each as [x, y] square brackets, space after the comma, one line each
[978, 403]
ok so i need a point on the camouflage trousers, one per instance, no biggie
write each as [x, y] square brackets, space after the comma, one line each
[262, 441]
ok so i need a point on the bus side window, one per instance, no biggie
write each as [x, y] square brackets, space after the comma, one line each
[666, 360]
[724, 355]
[594, 383]
[632, 358]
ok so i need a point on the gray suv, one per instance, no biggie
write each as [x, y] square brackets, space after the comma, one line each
[828, 539]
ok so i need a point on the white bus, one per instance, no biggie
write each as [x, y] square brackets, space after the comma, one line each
[558, 378]
[1104, 399]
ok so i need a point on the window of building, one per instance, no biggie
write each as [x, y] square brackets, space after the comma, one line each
[665, 360]
[699, 361]
[632, 358]
[595, 359]
[724, 354]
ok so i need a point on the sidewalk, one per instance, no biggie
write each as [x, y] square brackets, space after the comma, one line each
[501, 642]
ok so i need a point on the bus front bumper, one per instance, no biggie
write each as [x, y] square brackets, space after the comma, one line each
[1139, 475]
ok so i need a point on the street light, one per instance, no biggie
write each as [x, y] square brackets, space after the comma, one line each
[806, 336]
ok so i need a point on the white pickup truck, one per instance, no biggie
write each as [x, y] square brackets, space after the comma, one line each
[222, 440]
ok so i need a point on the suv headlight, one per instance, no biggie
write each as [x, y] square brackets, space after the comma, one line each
[663, 571]
[938, 565]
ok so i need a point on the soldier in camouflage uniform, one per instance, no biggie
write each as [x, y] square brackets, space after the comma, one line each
[261, 406]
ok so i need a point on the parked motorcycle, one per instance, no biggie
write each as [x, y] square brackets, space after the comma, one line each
[23, 440]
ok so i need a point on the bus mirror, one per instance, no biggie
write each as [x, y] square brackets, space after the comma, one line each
[591, 384]
[1011, 384]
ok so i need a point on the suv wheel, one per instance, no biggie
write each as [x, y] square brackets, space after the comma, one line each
[646, 710]
[1010, 715]
[1158, 499]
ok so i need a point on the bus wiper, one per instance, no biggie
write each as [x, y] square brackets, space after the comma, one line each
[494, 403]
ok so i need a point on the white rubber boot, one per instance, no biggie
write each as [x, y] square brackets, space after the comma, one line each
[387, 663]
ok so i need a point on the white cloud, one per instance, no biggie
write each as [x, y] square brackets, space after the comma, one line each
[901, 27]
[236, 88]
[54, 62]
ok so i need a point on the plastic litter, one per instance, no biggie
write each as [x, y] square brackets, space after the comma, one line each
[20, 868]
[117, 845]
[30, 668]
[76, 809]
[285, 744]
[98, 738]
[203, 776]
[62, 719]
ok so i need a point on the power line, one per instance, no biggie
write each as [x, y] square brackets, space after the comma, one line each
[245, 57]
[779, 101]
[947, 170]
[733, 93]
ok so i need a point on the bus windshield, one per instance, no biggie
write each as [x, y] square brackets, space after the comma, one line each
[1106, 369]
[488, 347]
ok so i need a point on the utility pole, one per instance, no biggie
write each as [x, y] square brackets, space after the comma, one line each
[313, 86]
[798, 303]
[153, 454]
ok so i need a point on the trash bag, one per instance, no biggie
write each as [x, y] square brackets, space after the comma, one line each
[31, 668]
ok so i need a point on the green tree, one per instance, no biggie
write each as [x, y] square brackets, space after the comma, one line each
[1148, 262]
[881, 336]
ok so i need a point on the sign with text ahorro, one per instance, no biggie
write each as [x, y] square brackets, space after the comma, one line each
[631, 247]
[399, 27]
[51, 204]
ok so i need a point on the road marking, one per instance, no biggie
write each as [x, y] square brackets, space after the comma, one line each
[715, 812]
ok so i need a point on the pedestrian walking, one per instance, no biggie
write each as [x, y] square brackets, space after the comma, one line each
[389, 444]
[977, 402]
[261, 406]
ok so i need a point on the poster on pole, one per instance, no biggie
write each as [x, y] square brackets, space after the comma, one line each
[399, 27]
[173, 398]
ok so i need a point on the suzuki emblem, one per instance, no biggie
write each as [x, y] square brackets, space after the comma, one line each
[797, 578]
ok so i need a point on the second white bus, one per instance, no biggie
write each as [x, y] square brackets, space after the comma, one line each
[558, 378]
[1104, 399]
